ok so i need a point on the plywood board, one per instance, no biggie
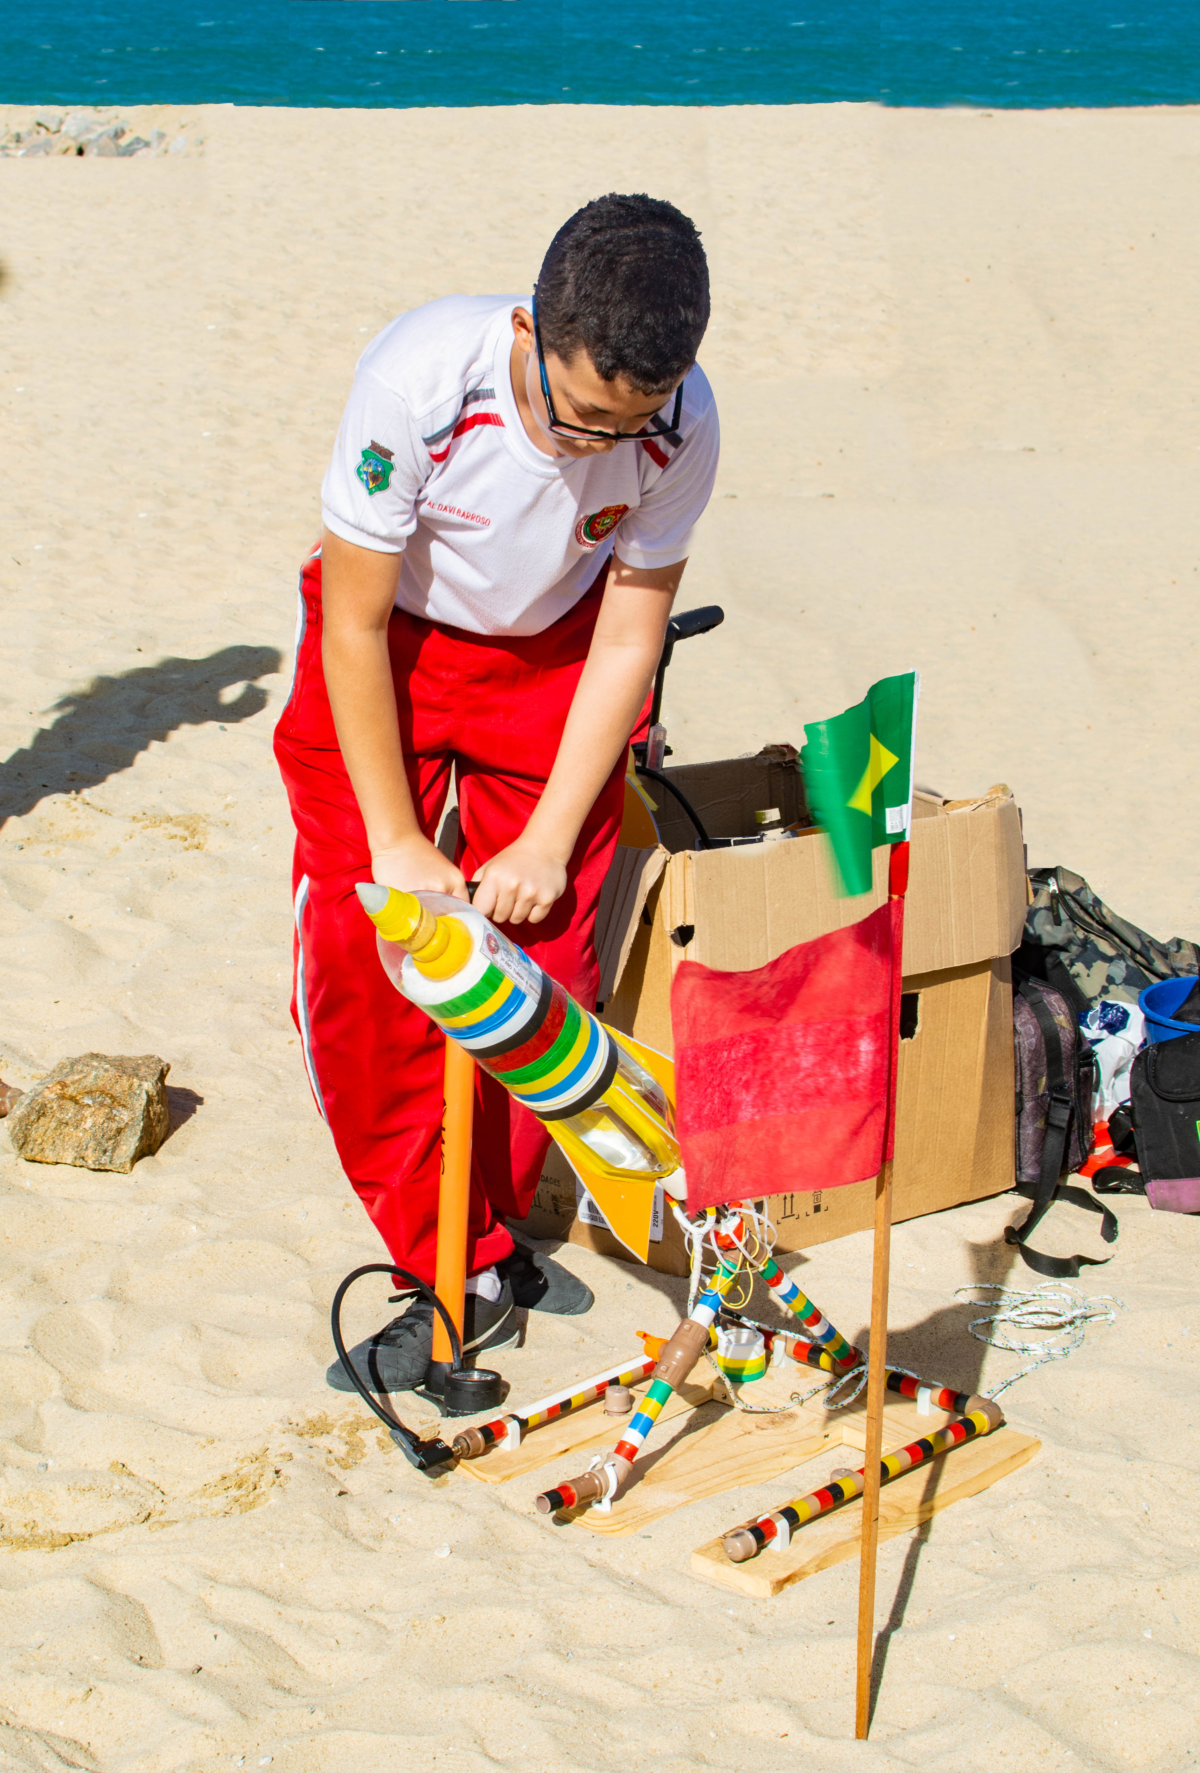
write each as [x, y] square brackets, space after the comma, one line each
[582, 1431]
[903, 1505]
[717, 1450]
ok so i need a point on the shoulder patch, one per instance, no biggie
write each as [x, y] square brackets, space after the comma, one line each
[592, 530]
[375, 468]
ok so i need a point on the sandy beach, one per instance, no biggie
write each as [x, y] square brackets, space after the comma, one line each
[957, 358]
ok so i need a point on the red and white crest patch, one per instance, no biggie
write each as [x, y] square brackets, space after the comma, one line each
[591, 531]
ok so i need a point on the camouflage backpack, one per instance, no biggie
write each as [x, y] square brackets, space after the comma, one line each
[1075, 944]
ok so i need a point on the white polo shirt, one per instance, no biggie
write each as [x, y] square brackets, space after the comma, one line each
[432, 458]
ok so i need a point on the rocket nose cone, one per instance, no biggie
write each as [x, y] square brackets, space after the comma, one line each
[371, 896]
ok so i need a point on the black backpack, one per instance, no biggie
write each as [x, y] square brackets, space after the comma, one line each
[1164, 1120]
[1055, 1076]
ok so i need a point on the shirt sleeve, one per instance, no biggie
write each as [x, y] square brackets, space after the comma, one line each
[379, 465]
[659, 531]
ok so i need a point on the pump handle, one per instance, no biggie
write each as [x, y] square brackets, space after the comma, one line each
[681, 627]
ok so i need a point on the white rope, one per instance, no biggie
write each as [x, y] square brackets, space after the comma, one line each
[1062, 1310]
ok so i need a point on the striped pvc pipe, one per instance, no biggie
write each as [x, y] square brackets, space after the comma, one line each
[659, 1391]
[817, 1327]
[729, 1233]
[937, 1397]
[470, 1443]
[777, 1528]
[678, 1358]
[811, 1354]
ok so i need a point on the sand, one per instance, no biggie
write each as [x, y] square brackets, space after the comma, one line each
[956, 357]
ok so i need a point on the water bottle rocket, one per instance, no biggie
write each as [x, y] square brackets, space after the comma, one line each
[603, 1097]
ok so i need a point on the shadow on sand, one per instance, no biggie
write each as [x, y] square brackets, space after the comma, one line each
[100, 730]
[942, 1349]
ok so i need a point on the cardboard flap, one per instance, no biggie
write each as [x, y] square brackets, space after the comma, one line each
[966, 898]
[967, 895]
[622, 899]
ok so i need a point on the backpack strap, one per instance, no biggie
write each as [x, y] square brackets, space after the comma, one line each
[1047, 1188]
[1118, 1179]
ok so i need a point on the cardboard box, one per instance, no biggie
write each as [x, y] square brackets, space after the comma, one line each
[738, 908]
[735, 797]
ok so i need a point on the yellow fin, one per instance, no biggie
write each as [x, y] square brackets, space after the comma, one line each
[627, 1206]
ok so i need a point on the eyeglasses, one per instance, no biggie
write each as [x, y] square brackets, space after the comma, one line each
[655, 426]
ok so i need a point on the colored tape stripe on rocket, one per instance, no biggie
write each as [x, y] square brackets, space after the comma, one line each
[533, 1036]
[682, 1351]
[550, 1050]
[546, 1046]
[558, 1061]
[468, 1004]
[590, 1090]
[563, 1067]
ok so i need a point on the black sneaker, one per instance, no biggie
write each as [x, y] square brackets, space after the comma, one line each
[396, 1357]
[538, 1284]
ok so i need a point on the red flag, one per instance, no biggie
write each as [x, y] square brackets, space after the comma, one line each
[782, 1073]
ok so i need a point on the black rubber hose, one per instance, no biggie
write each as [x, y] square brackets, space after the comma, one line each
[335, 1319]
[643, 769]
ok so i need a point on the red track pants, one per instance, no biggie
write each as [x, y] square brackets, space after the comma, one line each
[492, 708]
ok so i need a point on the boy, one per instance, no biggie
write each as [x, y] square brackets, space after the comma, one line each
[507, 516]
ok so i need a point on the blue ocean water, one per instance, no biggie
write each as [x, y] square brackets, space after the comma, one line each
[1012, 53]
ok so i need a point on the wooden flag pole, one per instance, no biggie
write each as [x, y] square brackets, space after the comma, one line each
[877, 1369]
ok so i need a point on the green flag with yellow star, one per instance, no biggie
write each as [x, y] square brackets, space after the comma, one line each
[858, 775]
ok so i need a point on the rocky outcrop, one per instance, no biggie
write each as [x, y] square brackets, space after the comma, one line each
[99, 1112]
[86, 133]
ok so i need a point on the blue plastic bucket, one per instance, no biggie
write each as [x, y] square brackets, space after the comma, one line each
[1158, 1001]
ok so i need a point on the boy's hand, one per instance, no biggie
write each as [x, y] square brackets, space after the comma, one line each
[520, 884]
[417, 866]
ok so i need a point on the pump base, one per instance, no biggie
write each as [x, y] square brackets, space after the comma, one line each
[462, 1391]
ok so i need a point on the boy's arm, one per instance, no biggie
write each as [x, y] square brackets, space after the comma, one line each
[358, 591]
[524, 880]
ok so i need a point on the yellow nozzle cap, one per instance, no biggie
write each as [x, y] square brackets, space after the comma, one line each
[399, 917]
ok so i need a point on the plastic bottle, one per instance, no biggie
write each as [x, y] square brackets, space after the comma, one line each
[598, 1101]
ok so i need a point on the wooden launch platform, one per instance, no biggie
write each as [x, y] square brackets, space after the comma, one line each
[703, 1447]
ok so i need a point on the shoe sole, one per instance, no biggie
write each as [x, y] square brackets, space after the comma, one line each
[508, 1330]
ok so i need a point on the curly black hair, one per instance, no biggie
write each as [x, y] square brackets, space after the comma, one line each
[626, 280]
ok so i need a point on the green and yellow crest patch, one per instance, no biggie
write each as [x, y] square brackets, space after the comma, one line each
[375, 468]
